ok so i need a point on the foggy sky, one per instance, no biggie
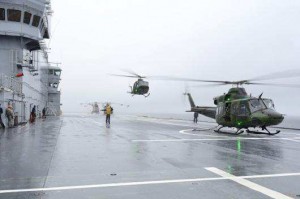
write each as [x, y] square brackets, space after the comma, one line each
[216, 39]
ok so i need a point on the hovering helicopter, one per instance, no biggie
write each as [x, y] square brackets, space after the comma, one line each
[242, 111]
[140, 87]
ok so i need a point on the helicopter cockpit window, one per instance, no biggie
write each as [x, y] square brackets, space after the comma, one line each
[256, 105]
[269, 103]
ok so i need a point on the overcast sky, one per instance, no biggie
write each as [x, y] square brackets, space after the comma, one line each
[204, 39]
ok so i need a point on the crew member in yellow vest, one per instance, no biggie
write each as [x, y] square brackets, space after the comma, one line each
[108, 111]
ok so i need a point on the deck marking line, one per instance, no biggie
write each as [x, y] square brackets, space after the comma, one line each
[249, 184]
[146, 183]
[111, 185]
[166, 123]
[210, 139]
[289, 139]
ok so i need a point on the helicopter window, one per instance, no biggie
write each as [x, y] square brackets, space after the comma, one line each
[243, 110]
[220, 109]
[234, 108]
[227, 108]
[269, 103]
[256, 104]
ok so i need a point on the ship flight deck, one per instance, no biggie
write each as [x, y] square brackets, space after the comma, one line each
[76, 156]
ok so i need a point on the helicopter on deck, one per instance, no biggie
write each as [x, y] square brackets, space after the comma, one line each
[239, 110]
[140, 87]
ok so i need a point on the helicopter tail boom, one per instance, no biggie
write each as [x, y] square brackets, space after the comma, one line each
[203, 110]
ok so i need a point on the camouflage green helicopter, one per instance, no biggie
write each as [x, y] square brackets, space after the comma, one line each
[140, 87]
[242, 111]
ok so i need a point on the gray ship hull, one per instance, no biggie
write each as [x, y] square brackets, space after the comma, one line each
[27, 78]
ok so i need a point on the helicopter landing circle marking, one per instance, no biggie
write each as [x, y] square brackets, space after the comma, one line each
[185, 132]
[215, 139]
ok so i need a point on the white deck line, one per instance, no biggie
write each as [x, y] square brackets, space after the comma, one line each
[289, 139]
[249, 184]
[212, 139]
[234, 178]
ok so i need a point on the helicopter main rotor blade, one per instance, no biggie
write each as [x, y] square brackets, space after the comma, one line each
[277, 85]
[278, 75]
[188, 79]
[133, 73]
[208, 85]
[131, 76]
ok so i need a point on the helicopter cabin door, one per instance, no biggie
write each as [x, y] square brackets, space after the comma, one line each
[240, 111]
[227, 112]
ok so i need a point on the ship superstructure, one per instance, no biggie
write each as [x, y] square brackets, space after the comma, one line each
[27, 78]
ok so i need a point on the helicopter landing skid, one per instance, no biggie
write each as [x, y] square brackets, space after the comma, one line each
[238, 131]
[147, 95]
[263, 132]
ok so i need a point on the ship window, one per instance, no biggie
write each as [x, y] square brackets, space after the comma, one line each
[53, 85]
[14, 15]
[2, 14]
[42, 24]
[27, 17]
[57, 72]
[36, 20]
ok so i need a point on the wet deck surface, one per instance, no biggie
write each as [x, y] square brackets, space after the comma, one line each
[77, 157]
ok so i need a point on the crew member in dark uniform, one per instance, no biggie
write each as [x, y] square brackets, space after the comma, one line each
[1, 122]
[196, 117]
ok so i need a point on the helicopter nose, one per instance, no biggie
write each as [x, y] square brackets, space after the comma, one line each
[275, 117]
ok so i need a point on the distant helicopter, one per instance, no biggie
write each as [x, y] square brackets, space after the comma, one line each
[140, 87]
[242, 111]
[94, 105]
[104, 104]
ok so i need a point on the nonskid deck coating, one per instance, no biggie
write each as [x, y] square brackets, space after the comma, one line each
[77, 157]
